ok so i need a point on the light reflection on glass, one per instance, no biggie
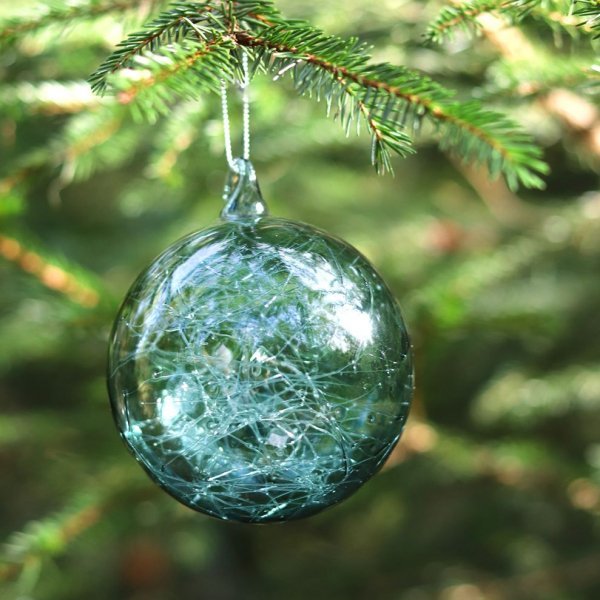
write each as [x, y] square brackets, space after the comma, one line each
[260, 372]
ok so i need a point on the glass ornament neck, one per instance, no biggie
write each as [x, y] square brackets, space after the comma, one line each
[242, 196]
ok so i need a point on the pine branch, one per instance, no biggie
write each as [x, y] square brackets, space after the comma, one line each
[467, 293]
[349, 106]
[183, 20]
[47, 97]
[397, 97]
[532, 77]
[385, 138]
[48, 537]
[175, 71]
[176, 135]
[578, 114]
[180, 21]
[71, 280]
[252, 12]
[525, 399]
[52, 535]
[464, 16]
[387, 98]
[89, 141]
[11, 30]
[590, 9]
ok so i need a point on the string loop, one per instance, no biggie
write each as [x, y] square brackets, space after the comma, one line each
[244, 85]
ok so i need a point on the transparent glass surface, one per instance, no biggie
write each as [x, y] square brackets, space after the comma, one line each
[260, 370]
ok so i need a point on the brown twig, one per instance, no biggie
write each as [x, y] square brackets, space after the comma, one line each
[243, 38]
[70, 15]
[576, 114]
[50, 275]
[127, 96]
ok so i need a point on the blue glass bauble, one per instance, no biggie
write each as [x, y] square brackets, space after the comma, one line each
[260, 369]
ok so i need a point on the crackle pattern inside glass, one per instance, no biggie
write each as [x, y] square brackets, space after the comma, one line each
[260, 371]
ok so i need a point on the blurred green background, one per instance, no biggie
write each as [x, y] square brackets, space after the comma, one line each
[494, 490]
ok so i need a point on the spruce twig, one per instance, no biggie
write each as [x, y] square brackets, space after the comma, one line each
[391, 100]
[399, 96]
[71, 280]
[181, 20]
[465, 16]
[176, 71]
[15, 28]
[590, 10]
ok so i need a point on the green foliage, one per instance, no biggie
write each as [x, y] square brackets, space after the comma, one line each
[170, 27]
[61, 13]
[524, 400]
[46, 97]
[178, 71]
[590, 10]
[464, 16]
[494, 490]
[555, 14]
[389, 99]
[523, 78]
[394, 97]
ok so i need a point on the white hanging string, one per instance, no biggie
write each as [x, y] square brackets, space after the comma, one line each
[245, 84]
[246, 105]
[226, 125]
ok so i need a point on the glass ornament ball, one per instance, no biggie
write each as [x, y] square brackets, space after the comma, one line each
[260, 369]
